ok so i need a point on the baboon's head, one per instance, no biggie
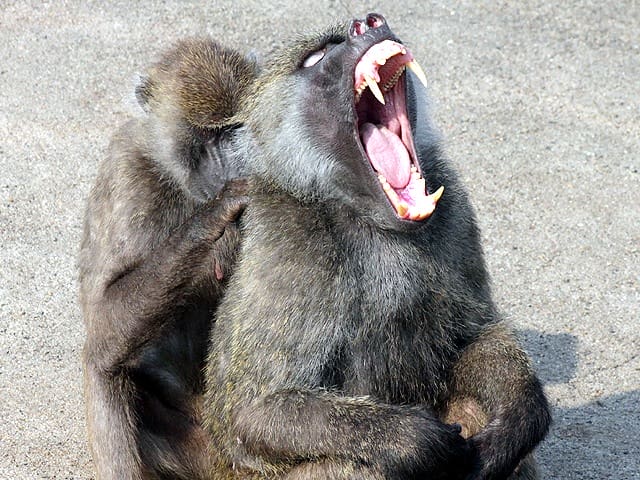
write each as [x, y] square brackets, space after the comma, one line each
[190, 96]
[339, 116]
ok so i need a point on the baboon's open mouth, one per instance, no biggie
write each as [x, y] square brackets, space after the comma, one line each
[384, 129]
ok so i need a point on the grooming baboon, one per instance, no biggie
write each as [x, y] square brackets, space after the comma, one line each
[159, 242]
[358, 324]
[359, 321]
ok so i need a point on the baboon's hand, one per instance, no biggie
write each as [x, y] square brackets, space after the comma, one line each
[224, 211]
[461, 457]
[488, 444]
[441, 452]
[220, 236]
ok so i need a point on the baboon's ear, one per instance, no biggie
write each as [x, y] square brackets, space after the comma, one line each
[143, 92]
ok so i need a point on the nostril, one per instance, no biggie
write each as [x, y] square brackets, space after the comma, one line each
[358, 28]
[375, 20]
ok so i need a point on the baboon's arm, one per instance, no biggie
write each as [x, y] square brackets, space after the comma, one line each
[499, 401]
[303, 425]
[135, 301]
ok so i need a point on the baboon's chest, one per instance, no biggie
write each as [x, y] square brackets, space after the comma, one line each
[397, 361]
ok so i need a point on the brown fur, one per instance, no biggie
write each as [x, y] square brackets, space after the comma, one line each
[159, 243]
[345, 344]
[347, 336]
[497, 355]
[205, 82]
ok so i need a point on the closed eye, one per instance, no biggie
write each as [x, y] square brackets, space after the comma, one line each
[314, 58]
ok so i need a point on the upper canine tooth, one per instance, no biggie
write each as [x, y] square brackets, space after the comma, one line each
[373, 86]
[415, 68]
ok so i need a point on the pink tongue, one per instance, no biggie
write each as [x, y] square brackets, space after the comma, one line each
[387, 154]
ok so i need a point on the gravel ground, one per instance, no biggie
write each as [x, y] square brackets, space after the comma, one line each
[538, 102]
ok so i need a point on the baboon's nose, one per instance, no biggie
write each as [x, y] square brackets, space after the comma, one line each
[373, 20]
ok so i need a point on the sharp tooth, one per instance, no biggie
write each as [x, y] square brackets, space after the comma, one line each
[359, 91]
[373, 86]
[415, 68]
[393, 196]
[402, 208]
[393, 80]
[435, 196]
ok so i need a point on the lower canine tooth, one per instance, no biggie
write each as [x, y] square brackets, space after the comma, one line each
[402, 208]
[435, 196]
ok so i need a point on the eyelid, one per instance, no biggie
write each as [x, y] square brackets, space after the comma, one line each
[314, 58]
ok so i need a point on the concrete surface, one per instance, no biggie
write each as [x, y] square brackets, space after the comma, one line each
[538, 102]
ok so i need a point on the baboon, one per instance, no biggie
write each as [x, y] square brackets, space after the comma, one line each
[160, 238]
[357, 337]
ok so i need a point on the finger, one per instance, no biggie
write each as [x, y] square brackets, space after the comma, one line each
[234, 187]
[456, 428]
[231, 209]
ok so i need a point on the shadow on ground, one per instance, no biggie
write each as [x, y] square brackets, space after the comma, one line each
[601, 434]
